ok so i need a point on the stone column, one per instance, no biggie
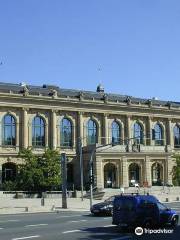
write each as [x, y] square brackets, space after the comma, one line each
[25, 128]
[170, 164]
[125, 174]
[169, 133]
[128, 133]
[17, 135]
[149, 131]
[0, 174]
[80, 127]
[99, 173]
[105, 130]
[46, 135]
[128, 127]
[147, 171]
[53, 129]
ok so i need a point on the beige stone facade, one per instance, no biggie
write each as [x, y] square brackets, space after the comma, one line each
[115, 165]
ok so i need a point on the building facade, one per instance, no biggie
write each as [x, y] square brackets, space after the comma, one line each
[133, 139]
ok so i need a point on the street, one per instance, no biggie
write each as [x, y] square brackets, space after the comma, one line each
[69, 225]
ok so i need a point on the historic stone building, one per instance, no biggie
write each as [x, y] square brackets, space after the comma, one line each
[133, 139]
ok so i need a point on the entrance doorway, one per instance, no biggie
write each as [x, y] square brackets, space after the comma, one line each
[157, 174]
[134, 174]
[109, 176]
[8, 172]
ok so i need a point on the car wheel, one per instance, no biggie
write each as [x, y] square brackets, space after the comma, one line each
[174, 222]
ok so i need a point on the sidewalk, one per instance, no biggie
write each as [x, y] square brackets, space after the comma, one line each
[12, 206]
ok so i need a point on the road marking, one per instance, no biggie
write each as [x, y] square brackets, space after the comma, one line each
[15, 220]
[1, 228]
[71, 231]
[36, 225]
[109, 225]
[69, 216]
[37, 236]
[78, 221]
[106, 218]
[122, 238]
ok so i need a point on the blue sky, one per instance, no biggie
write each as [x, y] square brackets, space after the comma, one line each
[135, 43]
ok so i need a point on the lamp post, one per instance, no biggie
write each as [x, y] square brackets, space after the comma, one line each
[64, 179]
[81, 165]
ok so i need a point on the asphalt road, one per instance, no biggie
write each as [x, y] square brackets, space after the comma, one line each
[69, 225]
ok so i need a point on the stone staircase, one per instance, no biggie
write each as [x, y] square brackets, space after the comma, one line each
[164, 194]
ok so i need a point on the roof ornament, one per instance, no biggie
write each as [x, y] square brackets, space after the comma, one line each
[53, 93]
[100, 88]
[105, 98]
[81, 96]
[25, 91]
[128, 100]
[169, 104]
[149, 102]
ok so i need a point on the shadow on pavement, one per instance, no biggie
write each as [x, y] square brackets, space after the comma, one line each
[113, 232]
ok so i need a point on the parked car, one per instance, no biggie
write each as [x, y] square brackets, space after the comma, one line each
[103, 208]
[142, 210]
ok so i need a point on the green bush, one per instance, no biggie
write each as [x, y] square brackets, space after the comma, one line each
[9, 186]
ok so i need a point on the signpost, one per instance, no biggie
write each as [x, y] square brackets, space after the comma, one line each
[64, 179]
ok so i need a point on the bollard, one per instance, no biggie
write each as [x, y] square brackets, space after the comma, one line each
[42, 201]
[167, 200]
[177, 199]
[26, 209]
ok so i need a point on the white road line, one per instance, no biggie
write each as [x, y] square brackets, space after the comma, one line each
[36, 236]
[105, 218]
[69, 216]
[15, 220]
[36, 225]
[109, 225]
[122, 238]
[1, 228]
[78, 221]
[71, 231]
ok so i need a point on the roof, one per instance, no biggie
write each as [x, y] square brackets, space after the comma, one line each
[52, 90]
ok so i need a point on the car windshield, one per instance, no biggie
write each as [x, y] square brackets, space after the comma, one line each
[110, 199]
[161, 206]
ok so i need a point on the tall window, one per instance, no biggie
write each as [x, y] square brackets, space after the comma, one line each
[66, 133]
[158, 136]
[9, 131]
[138, 134]
[177, 136]
[38, 132]
[91, 132]
[115, 129]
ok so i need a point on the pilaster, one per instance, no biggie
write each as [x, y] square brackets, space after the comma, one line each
[53, 129]
[125, 182]
[25, 128]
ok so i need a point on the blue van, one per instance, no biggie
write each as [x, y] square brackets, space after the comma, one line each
[142, 210]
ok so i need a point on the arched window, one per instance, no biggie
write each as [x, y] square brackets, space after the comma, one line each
[66, 133]
[177, 136]
[115, 130]
[91, 132]
[9, 131]
[138, 134]
[38, 132]
[158, 136]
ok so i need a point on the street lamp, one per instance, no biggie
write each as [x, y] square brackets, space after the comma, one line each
[81, 165]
